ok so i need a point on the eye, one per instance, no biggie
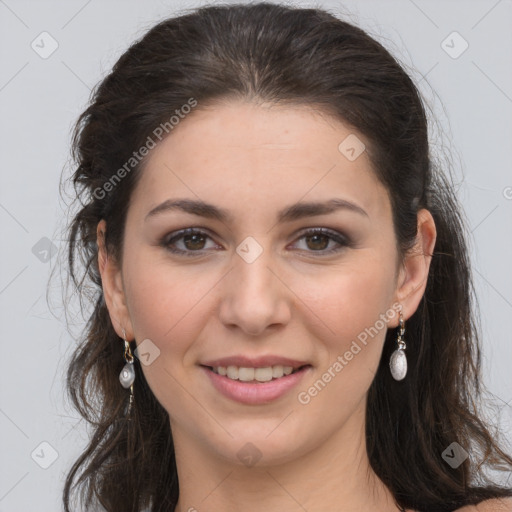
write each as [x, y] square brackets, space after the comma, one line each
[192, 241]
[318, 240]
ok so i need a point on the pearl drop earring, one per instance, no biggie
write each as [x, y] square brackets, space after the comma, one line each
[398, 359]
[127, 375]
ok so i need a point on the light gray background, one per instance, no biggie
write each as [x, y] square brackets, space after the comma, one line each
[40, 99]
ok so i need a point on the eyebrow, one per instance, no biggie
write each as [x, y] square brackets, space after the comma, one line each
[294, 212]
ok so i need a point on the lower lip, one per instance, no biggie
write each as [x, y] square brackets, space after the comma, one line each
[251, 393]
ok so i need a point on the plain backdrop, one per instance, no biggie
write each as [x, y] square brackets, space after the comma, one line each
[53, 53]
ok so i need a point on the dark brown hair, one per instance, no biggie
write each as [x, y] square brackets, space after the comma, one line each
[279, 54]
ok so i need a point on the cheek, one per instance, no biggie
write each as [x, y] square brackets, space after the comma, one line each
[164, 298]
[169, 305]
[353, 308]
[351, 298]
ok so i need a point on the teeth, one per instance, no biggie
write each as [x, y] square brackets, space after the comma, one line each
[245, 374]
[232, 372]
[263, 374]
[277, 371]
[250, 374]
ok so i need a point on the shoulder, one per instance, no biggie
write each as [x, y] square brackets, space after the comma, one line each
[494, 505]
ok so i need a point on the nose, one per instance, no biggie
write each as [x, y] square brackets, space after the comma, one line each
[255, 296]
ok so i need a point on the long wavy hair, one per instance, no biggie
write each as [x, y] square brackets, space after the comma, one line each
[298, 56]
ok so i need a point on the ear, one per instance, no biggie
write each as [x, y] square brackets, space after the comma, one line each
[412, 279]
[112, 284]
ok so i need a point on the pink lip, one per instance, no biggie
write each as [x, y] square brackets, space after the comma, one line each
[257, 362]
[254, 393]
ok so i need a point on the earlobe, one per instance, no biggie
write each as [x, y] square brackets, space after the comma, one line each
[112, 284]
[413, 276]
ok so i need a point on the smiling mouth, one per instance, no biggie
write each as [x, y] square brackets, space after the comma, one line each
[255, 375]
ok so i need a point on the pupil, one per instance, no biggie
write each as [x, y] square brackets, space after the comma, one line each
[194, 238]
[316, 237]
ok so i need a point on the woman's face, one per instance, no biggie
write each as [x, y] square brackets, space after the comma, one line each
[256, 289]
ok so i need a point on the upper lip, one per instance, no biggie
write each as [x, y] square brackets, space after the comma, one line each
[255, 362]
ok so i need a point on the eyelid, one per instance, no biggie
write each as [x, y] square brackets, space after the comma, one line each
[324, 231]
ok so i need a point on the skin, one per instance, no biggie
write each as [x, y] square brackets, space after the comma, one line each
[291, 301]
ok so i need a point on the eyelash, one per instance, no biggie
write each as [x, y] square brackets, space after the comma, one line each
[342, 240]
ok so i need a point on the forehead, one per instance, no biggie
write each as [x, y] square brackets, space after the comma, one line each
[258, 156]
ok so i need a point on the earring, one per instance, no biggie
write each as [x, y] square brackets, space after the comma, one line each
[127, 375]
[398, 359]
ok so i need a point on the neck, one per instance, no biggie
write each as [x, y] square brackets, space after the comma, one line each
[333, 474]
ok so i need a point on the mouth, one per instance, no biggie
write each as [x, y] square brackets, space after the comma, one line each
[255, 375]
[255, 382]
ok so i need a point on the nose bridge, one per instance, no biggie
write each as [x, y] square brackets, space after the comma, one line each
[252, 270]
[254, 297]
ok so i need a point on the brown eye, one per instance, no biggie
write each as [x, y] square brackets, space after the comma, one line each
[187, 242]
[194, 242]
[317, 241]
[324, 241]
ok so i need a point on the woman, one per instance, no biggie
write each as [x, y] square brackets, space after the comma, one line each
[283, 316]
